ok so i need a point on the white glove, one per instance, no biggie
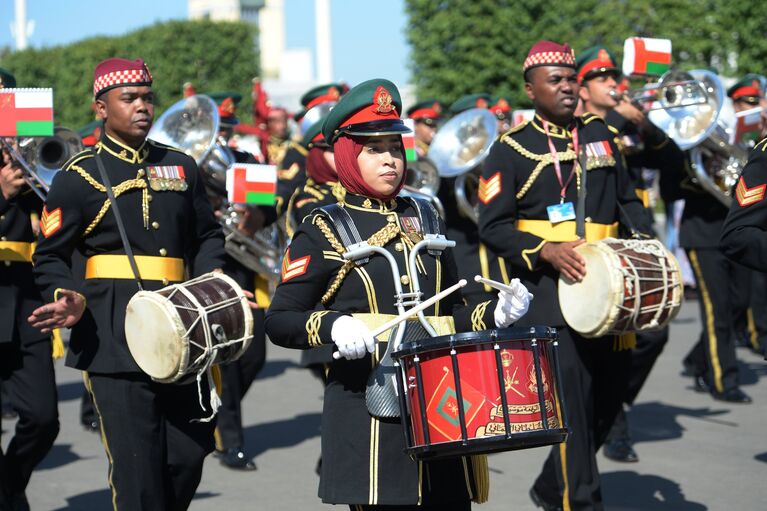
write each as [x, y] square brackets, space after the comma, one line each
[352, 338]
[512, 306]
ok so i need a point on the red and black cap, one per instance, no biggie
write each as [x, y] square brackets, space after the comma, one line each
[549, 53]
[227, 102]
[428, 111]
[501, 107]
[370, 109]
[594, 61]
[117, 72]
[748, 89]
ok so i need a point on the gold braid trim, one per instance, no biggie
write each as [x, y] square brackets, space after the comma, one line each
[477, 316]
[84, 174]
[339, 192]
[542, 159]
[313, 325]
[314, 192]
[118, 190]
[379, 239]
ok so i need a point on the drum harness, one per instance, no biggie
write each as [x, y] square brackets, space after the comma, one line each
[381, 393]
[215, 399]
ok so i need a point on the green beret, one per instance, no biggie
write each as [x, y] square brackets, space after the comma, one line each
[469, 101]
[322, 94]
[312, 133]
[7, 80]
[89, 128]
[221, 96]
[594, 61]
[371, 108]
[426, 109]
[750, 86]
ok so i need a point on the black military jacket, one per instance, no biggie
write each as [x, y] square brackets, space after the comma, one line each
[309, 197]
[519, 182]
[744, 236]
[363, 459]
[18, 294]
[291, 174]
[174, 221]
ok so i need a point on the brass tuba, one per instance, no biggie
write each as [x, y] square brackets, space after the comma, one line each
[701, 130]
[192, 125]
[458, 149]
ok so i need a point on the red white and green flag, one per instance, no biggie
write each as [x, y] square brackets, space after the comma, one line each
[747, 126]
[250, 183]
[26, 112]
[643, 56]
[408, 140]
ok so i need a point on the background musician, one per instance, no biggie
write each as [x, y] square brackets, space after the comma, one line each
[427, 115]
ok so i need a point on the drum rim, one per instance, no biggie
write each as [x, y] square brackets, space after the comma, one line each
[516, 333]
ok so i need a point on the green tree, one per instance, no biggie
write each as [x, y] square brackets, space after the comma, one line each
[211, 55]
[465, 46]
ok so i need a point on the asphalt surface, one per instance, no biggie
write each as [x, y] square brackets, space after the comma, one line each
[695, 453]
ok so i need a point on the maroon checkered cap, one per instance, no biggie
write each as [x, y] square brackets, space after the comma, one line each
[549, 53]
[115, 72]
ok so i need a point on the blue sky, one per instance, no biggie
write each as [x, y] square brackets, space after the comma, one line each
[354, 58]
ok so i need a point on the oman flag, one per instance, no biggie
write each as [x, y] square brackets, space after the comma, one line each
[250, 183]
[644, 56]
[408, 140]
[747, 126]
[26, 112]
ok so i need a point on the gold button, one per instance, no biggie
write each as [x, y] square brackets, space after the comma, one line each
[155, 225]
[165, 282]
[3, 238]
[163, 252]
[149, 198]
[399, 247]
[141, 172]
[405, 280]
[2, 217]
[391, 219]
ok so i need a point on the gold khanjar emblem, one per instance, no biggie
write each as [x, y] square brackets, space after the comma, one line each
[383, 99]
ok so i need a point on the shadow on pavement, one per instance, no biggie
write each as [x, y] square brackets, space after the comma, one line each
[750, 372]
[99, 499]
[761, 457]
[285, 433]
[275, 368]
[656, 421]
[629, 491]
[58, 456]
[200, 495]
[71, 390]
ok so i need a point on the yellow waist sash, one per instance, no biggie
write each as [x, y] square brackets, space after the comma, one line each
[644, 196]
[443, 325]
[112, 266]
[565, 231]
[16, 251]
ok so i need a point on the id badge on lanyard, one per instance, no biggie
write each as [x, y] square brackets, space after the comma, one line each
[564, 210]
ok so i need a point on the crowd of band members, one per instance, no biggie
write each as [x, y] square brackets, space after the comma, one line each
[569, 96]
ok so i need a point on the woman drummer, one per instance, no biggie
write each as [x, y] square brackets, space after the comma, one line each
[322, 299]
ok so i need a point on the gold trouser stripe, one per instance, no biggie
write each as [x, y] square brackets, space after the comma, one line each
[753, 337]
[644, 196]
[114, 266]
[373, 490]
[565, 231]
[263, 298]
[709, 308]
[563, 458]
[89, 388]
[17, 251]
[420, 482]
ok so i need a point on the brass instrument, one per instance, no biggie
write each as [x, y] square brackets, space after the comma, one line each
[674, 89]
[701, 130]
[192, 125]
[458, 149]
[422, 181]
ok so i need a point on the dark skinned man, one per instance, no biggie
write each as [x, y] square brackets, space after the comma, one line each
[26, 366]
[527, 216]
[644, 146]
[151, 431]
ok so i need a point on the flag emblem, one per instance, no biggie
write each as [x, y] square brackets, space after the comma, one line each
[250, 183]
[26, 112]
[747, 196]
[489, 189]
[408, 141]
[442, 407]
[645, 56]
[747, 126]
[50, 221]
[292, 268]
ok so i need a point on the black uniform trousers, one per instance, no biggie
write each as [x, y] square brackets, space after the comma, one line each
[594, 379]
[155, 450]
[713, 356]
[236, 379]
[28, 377]
[757, 312]
[455, 506]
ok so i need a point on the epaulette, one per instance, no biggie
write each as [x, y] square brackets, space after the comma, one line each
[589, 117]
[82, 155]
[298, 147]
[762, 145]
[513, 129]
[613, 129]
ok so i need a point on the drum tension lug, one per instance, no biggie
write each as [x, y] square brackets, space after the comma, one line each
[218, 332]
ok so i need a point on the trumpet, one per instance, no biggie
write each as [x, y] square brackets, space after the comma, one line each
[673, 90]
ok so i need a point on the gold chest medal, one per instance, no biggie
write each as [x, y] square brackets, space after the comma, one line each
[167, 178]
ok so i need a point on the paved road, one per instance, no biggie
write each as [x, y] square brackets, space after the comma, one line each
[696, 453]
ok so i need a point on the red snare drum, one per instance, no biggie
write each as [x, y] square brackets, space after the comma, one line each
[453, 405]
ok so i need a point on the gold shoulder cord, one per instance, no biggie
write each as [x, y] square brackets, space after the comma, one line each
[379, 239]
[125, 186]
[542, 159]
